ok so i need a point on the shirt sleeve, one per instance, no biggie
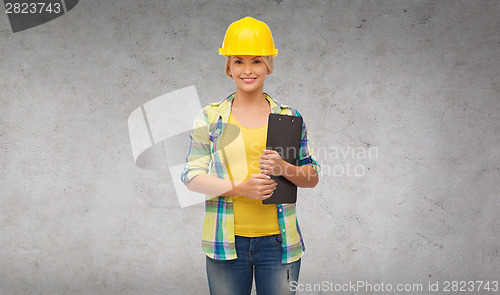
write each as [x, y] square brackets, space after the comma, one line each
[199, 156]
[306, 156]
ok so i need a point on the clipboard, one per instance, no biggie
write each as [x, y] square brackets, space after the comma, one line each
[284, 133]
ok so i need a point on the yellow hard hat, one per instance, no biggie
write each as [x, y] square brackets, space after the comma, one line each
[248, 36]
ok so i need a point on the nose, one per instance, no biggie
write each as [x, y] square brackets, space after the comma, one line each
[248, 68]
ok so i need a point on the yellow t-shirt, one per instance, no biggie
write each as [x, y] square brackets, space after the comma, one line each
[243, 147]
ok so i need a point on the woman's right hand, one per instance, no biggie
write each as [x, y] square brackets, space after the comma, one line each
[257, 186]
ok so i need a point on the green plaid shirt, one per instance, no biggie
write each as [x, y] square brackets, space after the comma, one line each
[205, 156]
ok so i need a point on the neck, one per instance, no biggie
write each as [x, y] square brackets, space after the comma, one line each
[249, 100]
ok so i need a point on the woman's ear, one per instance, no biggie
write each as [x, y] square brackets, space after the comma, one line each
[228, 72]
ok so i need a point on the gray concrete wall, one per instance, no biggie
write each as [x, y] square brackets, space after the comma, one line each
[411, 87]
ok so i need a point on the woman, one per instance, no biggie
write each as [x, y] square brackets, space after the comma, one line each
[227, 161]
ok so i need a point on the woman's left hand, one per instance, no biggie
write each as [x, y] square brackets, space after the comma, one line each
[271, 163]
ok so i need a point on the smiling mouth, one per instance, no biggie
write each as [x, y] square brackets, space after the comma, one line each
[248, 80]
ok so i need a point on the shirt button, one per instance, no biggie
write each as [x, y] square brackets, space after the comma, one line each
[281, 210]
[283, 230]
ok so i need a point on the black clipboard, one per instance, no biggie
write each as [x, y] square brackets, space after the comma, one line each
[284, 133]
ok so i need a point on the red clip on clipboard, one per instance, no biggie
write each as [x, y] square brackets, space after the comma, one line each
[284, 133]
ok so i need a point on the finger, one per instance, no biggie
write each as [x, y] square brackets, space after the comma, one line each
[266, 190]
[261, 176]
[269, 190]
[267, 153]
[270, 183]
[264, 167]
[266, 196]
[271, 154]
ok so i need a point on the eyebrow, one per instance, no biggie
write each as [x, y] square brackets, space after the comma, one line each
[256, 57]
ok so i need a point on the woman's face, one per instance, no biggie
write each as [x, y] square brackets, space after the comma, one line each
[248, 72]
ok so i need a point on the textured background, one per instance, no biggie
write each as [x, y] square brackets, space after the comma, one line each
[416, 81]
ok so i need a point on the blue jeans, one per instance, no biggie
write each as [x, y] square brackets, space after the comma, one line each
[262, 254]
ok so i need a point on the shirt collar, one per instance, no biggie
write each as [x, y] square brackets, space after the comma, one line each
[223, 107]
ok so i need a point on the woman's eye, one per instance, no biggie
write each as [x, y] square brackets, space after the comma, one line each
[257, 61]
[238, 62]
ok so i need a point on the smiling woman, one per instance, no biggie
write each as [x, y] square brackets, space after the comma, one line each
[248, 72]
[233, 168]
